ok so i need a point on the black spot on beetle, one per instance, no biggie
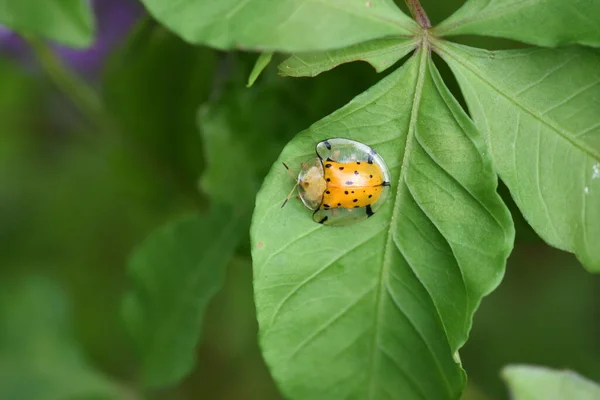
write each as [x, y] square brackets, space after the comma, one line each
[370, 176]
[370, 195]
[323, 220]
[327, 144]
[349, 182]
[326, 206]
[356, 206]
[327, 165]
[369, 211]
[358, 163]
[355, 200]
[353, 191]
[345, 192]
[339, 204]
[327, 192]
[328, 180]
[355, 172]
[341, 168]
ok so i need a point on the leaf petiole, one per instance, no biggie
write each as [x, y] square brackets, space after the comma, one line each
[418, 13]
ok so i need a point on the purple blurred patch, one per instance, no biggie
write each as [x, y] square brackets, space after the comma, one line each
[4, 33]
[114, 19]
[10, 43]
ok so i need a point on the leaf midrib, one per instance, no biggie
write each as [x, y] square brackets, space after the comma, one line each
[445, 48]
[390, 242]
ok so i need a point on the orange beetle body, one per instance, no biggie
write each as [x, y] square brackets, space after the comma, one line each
[351, 185]
[347, 182]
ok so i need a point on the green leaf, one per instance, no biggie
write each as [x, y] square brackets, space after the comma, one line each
[283, 25]
[69, 22]
[541, 22]
[176, 272]
[38, 357]
[379, 309]
[539, 108]
[153, 87]
[243, 132]
[221, 146]
[261, 63]
[380, 53]
[540, 383]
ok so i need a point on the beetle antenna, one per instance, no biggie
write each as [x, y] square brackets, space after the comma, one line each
[289, 196]
[289, 170]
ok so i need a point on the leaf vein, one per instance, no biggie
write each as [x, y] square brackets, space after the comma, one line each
[498, 12]
[588, 130]
[290, 243]
[407, 376]
[539, 184]
[546, 75]
[571, 97]
[457, 266]
[316, 274]
[329, 323]
[560, 131]
[414, 327]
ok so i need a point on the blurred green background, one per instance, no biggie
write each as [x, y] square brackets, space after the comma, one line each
[78, 192]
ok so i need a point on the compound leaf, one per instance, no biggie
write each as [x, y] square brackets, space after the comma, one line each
[539, 109]
[379, 309]
[281, 25]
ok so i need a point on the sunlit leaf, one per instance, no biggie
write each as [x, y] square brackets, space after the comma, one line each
[261, 63]
[282, 25]
[39, 358]
[379, 309]
[541, 22]
[540, 383]
[539, 108]
[176, 272]
[380, 53]
[69, 22]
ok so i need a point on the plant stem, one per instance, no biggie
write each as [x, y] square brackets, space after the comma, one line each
[83, 96]
[418, 13]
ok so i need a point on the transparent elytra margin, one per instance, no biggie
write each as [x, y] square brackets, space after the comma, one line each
[312, 170]
[349, 151]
